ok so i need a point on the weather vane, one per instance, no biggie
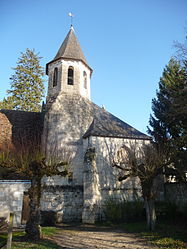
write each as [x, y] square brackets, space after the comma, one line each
[71, 15]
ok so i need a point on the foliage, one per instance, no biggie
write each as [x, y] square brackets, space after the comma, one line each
[48, 218]
[27, 84]
[118, 211]
[184, 210]
[167, 211]
[7, 103]
[168, 124]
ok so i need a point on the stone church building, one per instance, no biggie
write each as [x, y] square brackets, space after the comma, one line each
[71, 123]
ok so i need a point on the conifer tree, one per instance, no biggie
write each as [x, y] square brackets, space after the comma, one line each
[168, 124]
[27, 84]
[7, 103]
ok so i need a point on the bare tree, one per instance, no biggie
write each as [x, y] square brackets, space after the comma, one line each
[30, 162]
[146, 163]
[181, 50]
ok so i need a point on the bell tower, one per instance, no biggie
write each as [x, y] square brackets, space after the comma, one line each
[69, 71]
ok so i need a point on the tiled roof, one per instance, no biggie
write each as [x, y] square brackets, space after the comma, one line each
[107, 125]
[26, 126]
[100, 122]
[5, 131]
[70, 49]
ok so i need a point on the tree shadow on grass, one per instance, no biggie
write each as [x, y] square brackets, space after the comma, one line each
[165, 235]
[21, 242]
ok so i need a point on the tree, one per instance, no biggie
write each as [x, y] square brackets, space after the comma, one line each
[7, 103]
[181, 51]
[27, 84]
[168, 124]
[30, 162]
[146, 163]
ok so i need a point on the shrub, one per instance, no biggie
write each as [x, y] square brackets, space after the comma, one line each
[48, 218]
[184, 210]
[167, 210]
[118, 211]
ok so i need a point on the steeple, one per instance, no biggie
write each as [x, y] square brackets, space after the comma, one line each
[70, 49]
[69, 71]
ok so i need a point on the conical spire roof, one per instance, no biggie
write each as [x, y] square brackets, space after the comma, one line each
[70, 49]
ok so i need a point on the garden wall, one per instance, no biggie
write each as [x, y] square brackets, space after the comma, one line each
[11, 199]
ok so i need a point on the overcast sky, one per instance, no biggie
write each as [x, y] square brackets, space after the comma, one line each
[127, 43]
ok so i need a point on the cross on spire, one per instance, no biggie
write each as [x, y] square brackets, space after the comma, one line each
[71, 16]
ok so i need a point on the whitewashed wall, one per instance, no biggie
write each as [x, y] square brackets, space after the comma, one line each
[11, 199]
[101, 177]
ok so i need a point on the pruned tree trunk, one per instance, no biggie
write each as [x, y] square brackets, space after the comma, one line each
[149, 200]
[32, 229]
[150, 213]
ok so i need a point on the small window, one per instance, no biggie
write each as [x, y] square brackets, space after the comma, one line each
[55, 77]
[85, 79]
[70, 76]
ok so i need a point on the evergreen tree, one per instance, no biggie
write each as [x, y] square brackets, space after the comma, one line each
[168, 124]
[27, 84]
[7, 103]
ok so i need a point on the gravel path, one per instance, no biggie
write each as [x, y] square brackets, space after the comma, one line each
[90, 236]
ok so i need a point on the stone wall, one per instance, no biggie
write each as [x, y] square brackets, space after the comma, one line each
[92, 193]
[66, 201]
[101, 179]
[11, 199]
[66, 121]
[62, 86]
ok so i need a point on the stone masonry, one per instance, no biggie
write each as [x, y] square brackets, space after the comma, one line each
[11, 199]
[71, 125]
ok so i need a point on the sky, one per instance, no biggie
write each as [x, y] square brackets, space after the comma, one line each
[127, 43]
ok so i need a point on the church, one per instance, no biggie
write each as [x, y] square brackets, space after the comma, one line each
[70, 124]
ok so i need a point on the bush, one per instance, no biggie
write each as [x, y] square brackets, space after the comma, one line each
[184, 210]
[119, 211]
[48, 218]
[168, 211]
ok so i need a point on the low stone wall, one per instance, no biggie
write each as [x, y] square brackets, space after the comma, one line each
[11, 199]
[66, 201]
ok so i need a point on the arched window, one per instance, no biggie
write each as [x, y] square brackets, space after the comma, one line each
[55, 77]
[85, 79]
[70, 76]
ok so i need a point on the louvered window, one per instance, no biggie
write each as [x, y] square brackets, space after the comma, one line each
[70, 76]
[85, 79]
[55, 77]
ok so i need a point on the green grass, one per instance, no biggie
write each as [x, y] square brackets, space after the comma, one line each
[165, 236]
[20, 242]
[42, 244]
[49, 231]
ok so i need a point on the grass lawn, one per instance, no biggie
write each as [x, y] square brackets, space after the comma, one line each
[165, 236]
[19, 241]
